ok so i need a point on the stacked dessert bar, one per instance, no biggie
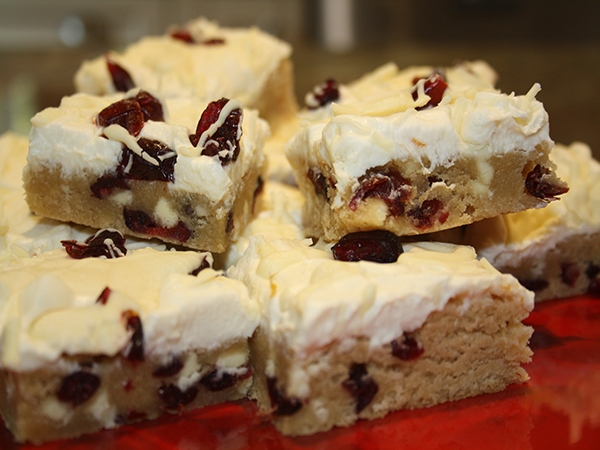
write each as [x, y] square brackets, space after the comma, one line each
[167, 267]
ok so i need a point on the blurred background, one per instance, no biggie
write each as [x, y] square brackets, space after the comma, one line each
[553, 42]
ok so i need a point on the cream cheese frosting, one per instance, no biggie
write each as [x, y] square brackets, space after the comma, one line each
[309, 300]
[534, 232]
[49, 308]
[377, 121]
[68, 136]
[237, 67]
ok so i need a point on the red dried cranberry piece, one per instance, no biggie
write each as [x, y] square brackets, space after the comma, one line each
[140, 222]
[385, 184]
[106, 184]
[569, 273]
[434, 86]
[536, 186]
[592, 271]
[379, 246]
[323, 94]
[109, 243]
[320, 183]
[78, 387]
[135, 167]
[120, 77]
[225, 140]
[151, 107]
[218, 380]
[230, 225]
[126, 112]
[535, 285]
[182, 35]
[103, 297]
[426, 214]
[205, 264]
[361, 386]
[135, 349]
[174, 398]
[213, 41]
[406, 347]
[284, 406]
[168, 370]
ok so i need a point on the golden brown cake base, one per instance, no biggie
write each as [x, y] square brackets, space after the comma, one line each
[212, 227]
[465, 354]
[447, 197]
[128, 392]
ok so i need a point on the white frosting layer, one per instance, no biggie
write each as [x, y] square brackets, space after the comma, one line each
[376, 122]
[534, 232]
[48, 306]
[238, 68]
[310, 300]
[68, 136]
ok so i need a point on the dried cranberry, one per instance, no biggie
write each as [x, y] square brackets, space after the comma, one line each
[320, 183]
[126, 113]
[120, 77]
[284, 406]
[135, 167]
[174, 398]
[140, 222]
[434, 87]
[592, 271]
[536, 186]
[106, 184]
[213, 41]
[108, 243]
[323, 94]
[379, 246]
[569, 273]
[224, 141]
[182, 35]
[535, 285]
[385, 184]
[426, 214]
[205, 264]
[135, 349]
[151, 107]
[361, 386]
[594, 287]
[78, 387]
[168, 370]
[406, 347]
[103, 297]
[218, 380]
[131, 416]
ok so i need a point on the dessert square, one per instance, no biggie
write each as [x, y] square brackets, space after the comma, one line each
[201, 59]
[177, 170]
[109, 336]
[553, 251]
[343, 340]
[420, 150]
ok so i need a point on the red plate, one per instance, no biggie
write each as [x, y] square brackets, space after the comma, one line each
[559, 408]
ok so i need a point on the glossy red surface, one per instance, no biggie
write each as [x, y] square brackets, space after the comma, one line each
[559, 408]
